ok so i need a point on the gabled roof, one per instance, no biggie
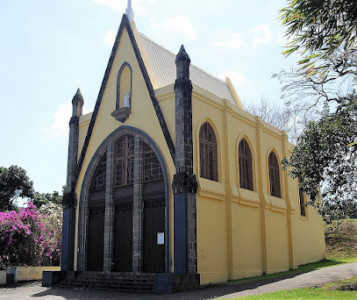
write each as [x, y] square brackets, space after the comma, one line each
[161, 63]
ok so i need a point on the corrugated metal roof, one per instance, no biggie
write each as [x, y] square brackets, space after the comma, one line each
[161, 65]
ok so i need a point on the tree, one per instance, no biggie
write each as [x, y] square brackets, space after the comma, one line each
[323, 33]
[323, 158]
[14, 183]
[40, 199]
[285, 117]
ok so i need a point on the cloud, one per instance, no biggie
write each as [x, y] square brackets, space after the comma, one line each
[139, 6]
[261, 35]
[251, 38]
[237, 78]
[118, 6]
[109, 37]
[59, 126]
[232, 40]
[243, 86]
[176, 24]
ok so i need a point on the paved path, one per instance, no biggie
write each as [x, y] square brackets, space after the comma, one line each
[34, 290]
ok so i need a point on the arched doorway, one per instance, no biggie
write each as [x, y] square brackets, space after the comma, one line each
[123, 218]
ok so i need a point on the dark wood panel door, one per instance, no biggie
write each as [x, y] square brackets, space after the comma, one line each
[123, 232]
[95, 239]
[154, 235]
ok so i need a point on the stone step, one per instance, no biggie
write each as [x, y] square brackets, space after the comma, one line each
[109, 281]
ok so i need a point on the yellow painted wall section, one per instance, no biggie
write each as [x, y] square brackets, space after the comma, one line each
[247, 246]
[308, 232]
[248, 229]
[277, 242]
[32, 273]
[211, 240]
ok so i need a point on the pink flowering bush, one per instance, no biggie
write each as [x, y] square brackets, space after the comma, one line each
[27, 236]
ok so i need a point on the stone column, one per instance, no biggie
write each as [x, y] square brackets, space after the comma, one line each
[109, 211]
[69, 198]
[184, 182]
[138, 207]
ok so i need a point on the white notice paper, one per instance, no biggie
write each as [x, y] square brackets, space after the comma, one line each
[160, 238]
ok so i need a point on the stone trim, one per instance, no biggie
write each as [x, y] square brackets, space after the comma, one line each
[109, 211]
[138, 207]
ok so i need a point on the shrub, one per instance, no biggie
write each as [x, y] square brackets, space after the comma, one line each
[27, 236]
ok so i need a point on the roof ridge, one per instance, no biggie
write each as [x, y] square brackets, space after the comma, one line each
[171, 52]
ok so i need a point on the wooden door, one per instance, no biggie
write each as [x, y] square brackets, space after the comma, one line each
[123, 232]
[154, 235]
[95, 238]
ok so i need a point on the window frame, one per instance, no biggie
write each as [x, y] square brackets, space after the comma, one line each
[274, 175]
[208, 148]
[245, 165]
[126, 161]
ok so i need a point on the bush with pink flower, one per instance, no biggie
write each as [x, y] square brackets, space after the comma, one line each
[29, 235]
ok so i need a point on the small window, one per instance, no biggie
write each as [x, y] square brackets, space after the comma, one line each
[99, 178]
[274, 175]
[208, 152]
[302, 200]
[124, 161]
[245, 166]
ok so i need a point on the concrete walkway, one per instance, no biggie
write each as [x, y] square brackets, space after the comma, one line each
[316, 278]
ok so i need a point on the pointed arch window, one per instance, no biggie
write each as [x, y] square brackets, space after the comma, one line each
[99, 178]
[208, 152]
[302, 200]
[245, 166]
[274, 175]
[124, 161]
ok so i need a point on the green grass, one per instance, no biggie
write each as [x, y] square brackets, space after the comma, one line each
[341, 238]
[334, 290]
[318, 293]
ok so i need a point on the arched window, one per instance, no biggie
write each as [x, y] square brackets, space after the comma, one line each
[274, 175]
[245, 166]
[208, 152]
[98, 182]
[124, 161]
[302, 200]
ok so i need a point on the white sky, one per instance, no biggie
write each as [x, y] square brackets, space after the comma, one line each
[49, 48]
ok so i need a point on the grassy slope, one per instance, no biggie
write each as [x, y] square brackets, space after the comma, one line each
[341, 238]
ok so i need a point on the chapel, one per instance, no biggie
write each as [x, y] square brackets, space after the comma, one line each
[171, 184]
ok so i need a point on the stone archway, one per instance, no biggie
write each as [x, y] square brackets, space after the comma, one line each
[135, 207]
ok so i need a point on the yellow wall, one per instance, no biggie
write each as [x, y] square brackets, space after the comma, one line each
[240, 233]
[32, 273]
